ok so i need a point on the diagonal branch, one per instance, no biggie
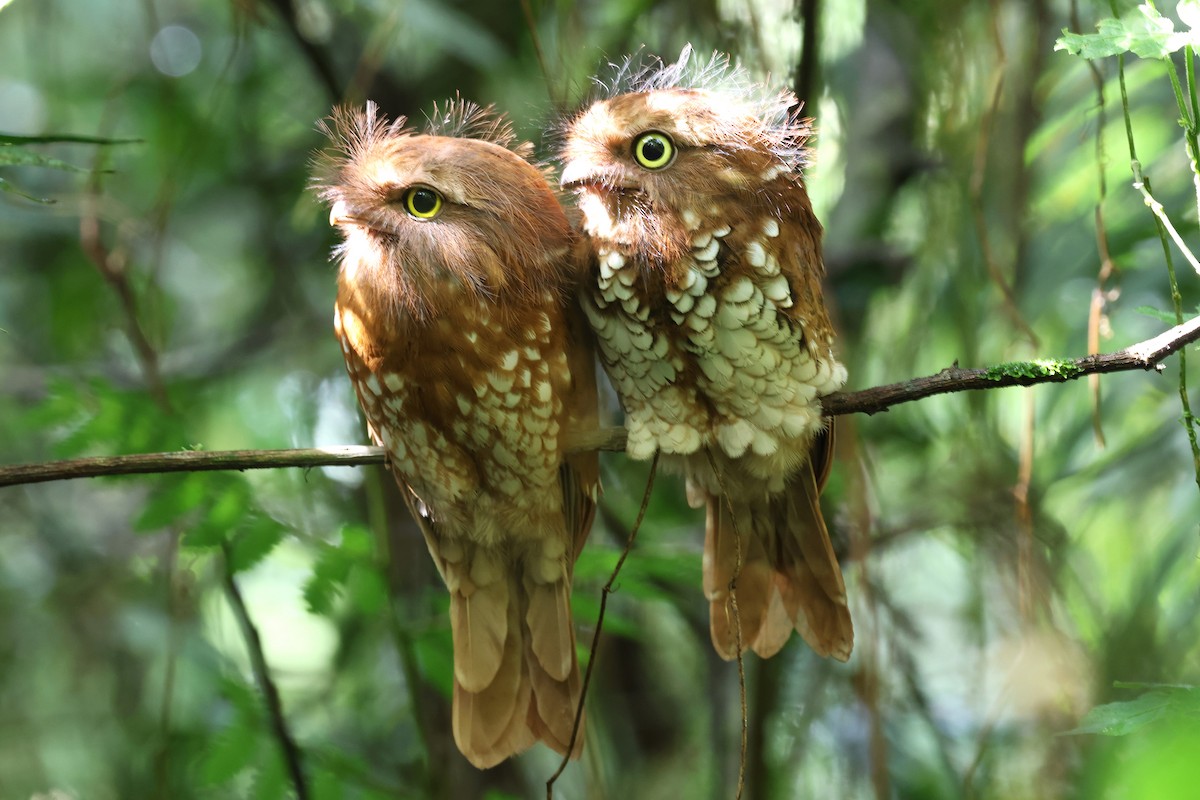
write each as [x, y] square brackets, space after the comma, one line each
[114, 269]
[1146, 355]
[289, 750]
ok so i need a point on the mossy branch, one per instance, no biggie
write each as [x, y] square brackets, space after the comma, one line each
[1147, 355]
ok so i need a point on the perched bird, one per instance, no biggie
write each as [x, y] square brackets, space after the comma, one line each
[454, 315]
[705, 297]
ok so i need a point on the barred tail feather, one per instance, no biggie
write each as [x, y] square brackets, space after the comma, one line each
[490, 724]
[525, 690]
[814, 591]
[789, 579]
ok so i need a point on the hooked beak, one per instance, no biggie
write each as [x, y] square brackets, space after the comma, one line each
[340, 214]
[576, 174]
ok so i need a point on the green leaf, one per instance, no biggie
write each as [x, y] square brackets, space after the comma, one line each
[327, 785]
[1145, 33]
[347, 566]
[270, 782]
[337, 769]
[7, 186]
[681, 568]
[98, 423]
[61, 405]
[220, 520]
[244, 699]
[257, 537]
[595, 565]
[357, 541]
[175, 496]
[585, 609]
[644, 573]
[20, 157]
[366, 589]
[1121, 718]
[230, 752]
[1162, 316]
[93, 417]
[14, 154]
[327, 579]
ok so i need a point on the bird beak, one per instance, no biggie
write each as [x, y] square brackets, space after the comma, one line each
[576, 174]
[340, 214]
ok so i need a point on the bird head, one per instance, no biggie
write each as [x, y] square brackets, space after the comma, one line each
[427, 217]
[673, 144]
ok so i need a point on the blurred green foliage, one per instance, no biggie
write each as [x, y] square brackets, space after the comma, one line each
[1005, 568]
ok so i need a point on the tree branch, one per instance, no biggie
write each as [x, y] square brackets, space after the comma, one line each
[1146, 355]
[289, 750]
[190, 461]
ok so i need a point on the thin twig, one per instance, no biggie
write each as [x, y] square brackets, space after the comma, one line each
[399, 586]
[547, 78]
[1187, 113]
[372, 55]
[1160, 213]
[162, 757]
[608, 589]
[1021, 491]
[258, 661]
[1100, 292]
[1146, 355]
[976, 191]
[741, 670]
[319, 58]
[114, 269]
[737, 626]
[1142, 182]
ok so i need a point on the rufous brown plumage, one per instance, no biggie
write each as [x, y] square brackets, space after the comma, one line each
[453, 312]
[706, 300]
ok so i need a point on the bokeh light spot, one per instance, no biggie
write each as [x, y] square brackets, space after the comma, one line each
[175, 51]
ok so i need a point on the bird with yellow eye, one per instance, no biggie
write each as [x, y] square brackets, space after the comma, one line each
[706, 302]
[454, 318]
[653, 150]
[422, 202]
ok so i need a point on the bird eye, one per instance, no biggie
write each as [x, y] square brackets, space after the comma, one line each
[653, 150]
[421, 202]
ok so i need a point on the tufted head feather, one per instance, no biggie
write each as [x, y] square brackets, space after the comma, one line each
[738, 144]
[776, 112]
[643, 72]
[498, 232]
[462, 119]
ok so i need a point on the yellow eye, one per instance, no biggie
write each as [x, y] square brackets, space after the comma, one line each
[653, 150]
[421, 202]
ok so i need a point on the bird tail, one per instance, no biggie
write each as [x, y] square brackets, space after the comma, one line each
[516, 678]
[789, 577]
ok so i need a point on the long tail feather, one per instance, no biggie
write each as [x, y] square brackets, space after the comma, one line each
[526, 688]
[789, 578]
